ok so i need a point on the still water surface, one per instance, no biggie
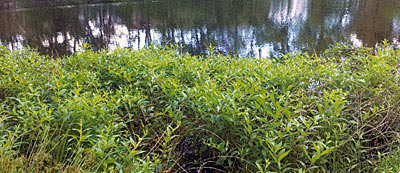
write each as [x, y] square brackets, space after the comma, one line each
[258, 28]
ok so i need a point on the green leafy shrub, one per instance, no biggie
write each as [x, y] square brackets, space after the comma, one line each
[155, 110]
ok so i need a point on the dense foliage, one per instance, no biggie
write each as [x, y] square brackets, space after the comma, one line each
[156, 110]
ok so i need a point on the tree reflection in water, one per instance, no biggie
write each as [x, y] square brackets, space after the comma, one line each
[260, 28]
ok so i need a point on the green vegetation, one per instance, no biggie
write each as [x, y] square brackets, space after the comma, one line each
[156, 110]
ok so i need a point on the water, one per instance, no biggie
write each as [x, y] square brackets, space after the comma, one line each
[258, 28]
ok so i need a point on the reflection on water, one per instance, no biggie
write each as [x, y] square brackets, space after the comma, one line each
[260, 28]
[288, 11]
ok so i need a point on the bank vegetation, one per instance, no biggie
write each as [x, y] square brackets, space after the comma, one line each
[156, 110]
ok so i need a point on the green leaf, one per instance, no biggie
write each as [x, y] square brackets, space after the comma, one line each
[315, 158]
[282, 156]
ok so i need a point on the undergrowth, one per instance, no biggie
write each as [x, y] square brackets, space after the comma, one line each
[154, 110]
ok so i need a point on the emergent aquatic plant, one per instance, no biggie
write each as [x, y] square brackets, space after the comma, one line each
[154, 110]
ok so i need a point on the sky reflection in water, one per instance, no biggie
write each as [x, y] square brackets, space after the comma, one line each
[258, 28]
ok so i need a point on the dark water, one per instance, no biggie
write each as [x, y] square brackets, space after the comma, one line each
[244, 27]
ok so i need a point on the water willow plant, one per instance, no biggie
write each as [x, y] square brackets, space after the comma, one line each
[155, 110]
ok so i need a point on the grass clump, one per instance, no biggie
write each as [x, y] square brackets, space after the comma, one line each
[154, 110]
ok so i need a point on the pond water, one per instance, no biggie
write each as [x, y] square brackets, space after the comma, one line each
[258, 28]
